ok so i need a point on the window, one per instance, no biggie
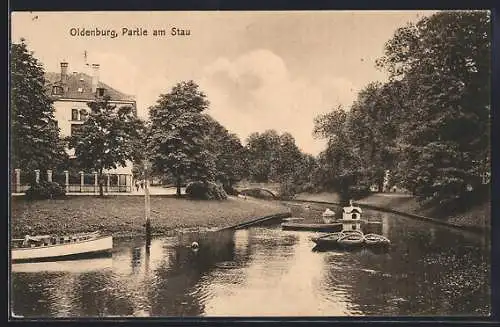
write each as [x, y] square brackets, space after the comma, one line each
[74, 114]
[75, 129]
[100, 92]
[83, 114]
[57, 90]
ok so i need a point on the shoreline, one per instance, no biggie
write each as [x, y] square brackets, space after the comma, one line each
[124, 216]
[403, 205]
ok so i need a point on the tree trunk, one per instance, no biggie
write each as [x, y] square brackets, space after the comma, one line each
[101, 188]
[381, 184]
[178, 184]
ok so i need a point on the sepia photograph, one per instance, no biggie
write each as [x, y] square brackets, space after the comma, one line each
[250, 164]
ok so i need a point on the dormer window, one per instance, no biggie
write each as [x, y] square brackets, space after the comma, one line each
[57, 90]
[100, 92]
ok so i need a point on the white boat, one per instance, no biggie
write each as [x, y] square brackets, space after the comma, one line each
[328, 216]
[328, 213]
[52, 248]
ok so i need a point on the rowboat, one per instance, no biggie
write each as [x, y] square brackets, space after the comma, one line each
[376, 240]
[328, 240]
[326, 228]
[52, 248]
[350, 232]
[351, 239]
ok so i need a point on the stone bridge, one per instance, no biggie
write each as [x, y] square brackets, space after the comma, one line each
[259, 192]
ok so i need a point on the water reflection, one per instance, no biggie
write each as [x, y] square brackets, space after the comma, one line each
[429, 270]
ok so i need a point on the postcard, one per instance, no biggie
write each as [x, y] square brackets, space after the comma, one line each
[250, 164]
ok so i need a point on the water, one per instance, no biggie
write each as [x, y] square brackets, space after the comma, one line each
[264, 271]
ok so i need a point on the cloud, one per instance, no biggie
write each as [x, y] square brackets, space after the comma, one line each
[256, 91]
[149, 91]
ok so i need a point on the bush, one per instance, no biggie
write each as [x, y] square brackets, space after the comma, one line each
[354, 192]
[288, 190]
[45, 190]
[308, 187]
[205, 191]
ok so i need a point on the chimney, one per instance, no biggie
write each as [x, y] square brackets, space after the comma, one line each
[64, 72]
[95, 77]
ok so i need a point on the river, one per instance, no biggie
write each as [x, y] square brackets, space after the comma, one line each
[264, 271]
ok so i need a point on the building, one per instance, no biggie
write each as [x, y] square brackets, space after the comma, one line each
[71, 92]
[351, 218]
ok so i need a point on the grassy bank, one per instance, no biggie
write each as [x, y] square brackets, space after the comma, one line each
[125, 214]
[478, 215]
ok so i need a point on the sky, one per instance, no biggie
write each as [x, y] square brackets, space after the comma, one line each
[259, 70]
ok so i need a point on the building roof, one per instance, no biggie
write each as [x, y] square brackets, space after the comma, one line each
[352, 209]
[81, 80]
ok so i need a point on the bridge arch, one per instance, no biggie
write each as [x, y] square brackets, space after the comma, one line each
[252, 192]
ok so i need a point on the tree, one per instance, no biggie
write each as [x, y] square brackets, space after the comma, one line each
[177, 135]
[288, 158]
[341, 161]
[228, 152]
[444, 61]
[263, 152]
[34, 132]
[108, 138]
[271, 156]
[374, 125]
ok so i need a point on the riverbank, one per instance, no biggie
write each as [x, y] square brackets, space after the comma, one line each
[124, 215]
[478, 216]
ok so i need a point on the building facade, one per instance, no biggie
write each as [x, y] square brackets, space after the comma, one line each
[71, 92]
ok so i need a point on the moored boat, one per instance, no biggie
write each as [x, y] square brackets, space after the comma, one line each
[52, 248]
[328, 240]
[376, 240]
[354, 231]
[351, 239]
[327, 228]
[292, 219]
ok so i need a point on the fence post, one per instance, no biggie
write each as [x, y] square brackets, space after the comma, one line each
[18, 180]
[95, 182]
[37, 176]
[107, 183]
[49, 175]
[81, 181]
[66, 181]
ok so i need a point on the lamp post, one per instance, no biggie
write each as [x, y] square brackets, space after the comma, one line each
[147, 205]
